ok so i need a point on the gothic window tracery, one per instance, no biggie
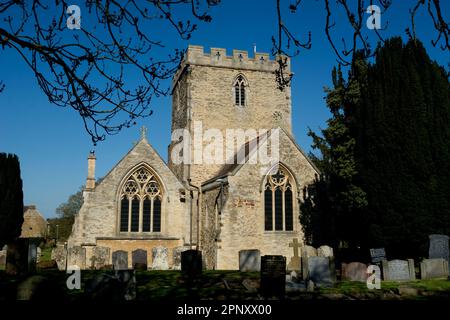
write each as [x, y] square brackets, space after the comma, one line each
[278, 202]
[140, 202]
[240, 91]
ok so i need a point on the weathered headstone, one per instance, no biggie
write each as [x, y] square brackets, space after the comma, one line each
[139, 259]
[59, 254]
[320, 271]
[249, 260]
[176, 257]
[120, 260]
[434, 268]
[438, 247]
[377, 255]
[160, 260]
[2, 259]
[32, 257]
[325, 251]
[295, 262]
[354, 271]
[76, 256]
[307, 251]
[17, 257]
[273, 276]
[399, 270]
[100, 257]
[191, 263]
[39, 254]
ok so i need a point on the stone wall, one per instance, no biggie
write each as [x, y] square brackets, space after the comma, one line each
[243, 216]
[204, 84]
[99, 214]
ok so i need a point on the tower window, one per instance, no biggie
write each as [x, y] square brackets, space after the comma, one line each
[140, 204]
[278, 202]
[239, 91]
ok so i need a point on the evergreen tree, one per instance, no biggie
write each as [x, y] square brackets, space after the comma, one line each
[331, 207]
[11, 198]
[402, 132]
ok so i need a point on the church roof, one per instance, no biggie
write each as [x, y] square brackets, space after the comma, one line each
[249, 149]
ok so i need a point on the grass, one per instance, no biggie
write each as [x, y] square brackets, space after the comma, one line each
[226, 285]
[46, 254]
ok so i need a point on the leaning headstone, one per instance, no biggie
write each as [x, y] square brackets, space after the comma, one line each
[32, 257]
[377, 255]
[354, 271]
[320, 271]
[139, 259]
[295, 262]
[191, 263]
[120, 260]
[176, 257]
[325, 251]
[273, 276]
[160, 259]
[249, 260]
[438, 247]
[76, 256]
[59, 254]
[398, 270]
[17, 257]
[434, 268]
[100, 257]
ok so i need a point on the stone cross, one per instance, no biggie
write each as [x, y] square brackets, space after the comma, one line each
[294, 244]
[144, 132]
[295, 263]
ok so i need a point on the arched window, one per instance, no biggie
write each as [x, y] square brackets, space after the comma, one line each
[278, 202]
[140, 202]
[239, 91]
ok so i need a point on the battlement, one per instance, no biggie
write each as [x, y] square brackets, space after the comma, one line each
[217, 57]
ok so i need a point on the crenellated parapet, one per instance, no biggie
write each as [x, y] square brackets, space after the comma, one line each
[217, 57]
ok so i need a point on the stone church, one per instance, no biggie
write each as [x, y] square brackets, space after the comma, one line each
[217, 207]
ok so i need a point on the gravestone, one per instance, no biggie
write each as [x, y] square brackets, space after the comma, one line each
[273, 276]
[434, 268]
[39, 254]
[59, 254]
[191, 263]
[438, 247]
[76, 256]
[320, 271]
[307, 251]
[120, 260]
[295, 262]
[377, 255]
[398, 270]
[354, 271]
[249, 260]
[100, 257]
[2, 259]
[176, 257]
[139, 259]
[17, 257]
[160, 259]
[32, 257]
[325, 251]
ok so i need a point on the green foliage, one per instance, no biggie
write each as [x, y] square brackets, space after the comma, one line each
[332, 202]
[11, 198]
[402, 132]
[72, 206]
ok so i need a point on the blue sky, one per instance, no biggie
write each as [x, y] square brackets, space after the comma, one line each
[53, 146]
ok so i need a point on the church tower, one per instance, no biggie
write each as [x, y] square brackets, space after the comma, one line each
[214, 92]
